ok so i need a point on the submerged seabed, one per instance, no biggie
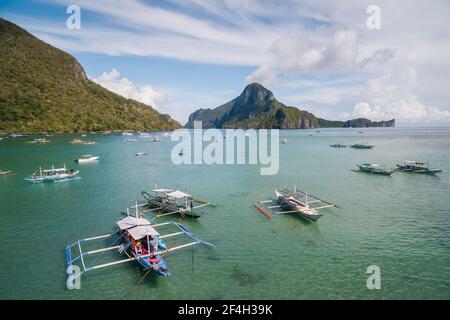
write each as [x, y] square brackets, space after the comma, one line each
[400, 223]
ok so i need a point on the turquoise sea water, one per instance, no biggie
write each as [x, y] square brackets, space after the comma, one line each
[400, 223]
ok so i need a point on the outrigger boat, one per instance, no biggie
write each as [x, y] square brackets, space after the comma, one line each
[417, 167]
[293, 201]
[363, 145]
[166, 202]
[53, 174]
[374, 168]
[5, 172]
[138, 239]
[338, 145]
[79, 141]
[39, 141]
[87, 158]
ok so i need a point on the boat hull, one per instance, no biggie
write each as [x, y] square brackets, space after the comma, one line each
[300, 211]
[52, 178]
[88, 160]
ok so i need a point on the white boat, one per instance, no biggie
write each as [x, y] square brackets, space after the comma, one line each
[87, 158]
[284, 141]
[53, 174]
[144, 135]
[157, 139]
[140, 154]
[126, 133]
[130, 140]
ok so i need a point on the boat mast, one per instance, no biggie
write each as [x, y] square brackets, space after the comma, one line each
[137, 212]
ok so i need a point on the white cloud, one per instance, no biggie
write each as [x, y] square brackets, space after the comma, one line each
[124, 87]
[299, 54]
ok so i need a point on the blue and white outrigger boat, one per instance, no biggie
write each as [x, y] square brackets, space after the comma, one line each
[138, 239]
[53, 174]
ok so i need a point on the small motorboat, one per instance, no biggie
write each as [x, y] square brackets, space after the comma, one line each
[144, 135]
[130, 140]
[87, 158]
[362, 145]
[140, 154]
[156, 139]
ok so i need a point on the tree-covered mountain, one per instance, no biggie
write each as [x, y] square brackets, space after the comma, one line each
[45, 89]
[257, 107]
[366, 123]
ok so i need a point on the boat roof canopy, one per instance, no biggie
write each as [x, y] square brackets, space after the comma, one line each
[55, 170]
[162, 190]
[140, 232]
[130, 222]
[178, 194]
[415, 162]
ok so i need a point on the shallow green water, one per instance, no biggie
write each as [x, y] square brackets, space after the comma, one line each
[400, 223]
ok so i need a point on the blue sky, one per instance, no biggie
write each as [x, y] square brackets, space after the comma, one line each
[180, 55]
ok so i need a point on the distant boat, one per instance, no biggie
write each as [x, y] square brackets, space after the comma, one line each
[39, 141]
[180, 153]
[87, 158]
[362, 145]
[338, 145]
[374, 168]
[144, 135]
[53, 174]
[130, 140]
[126, 133]
[84, 135]
[18, 135]
[140, 154]
[5, 172]
[284, 141]
[156, 139]
[79, 141]
[415, 166]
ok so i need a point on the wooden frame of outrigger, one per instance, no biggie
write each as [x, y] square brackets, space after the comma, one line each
[82, 254]
[163, 210]
[266, 207]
